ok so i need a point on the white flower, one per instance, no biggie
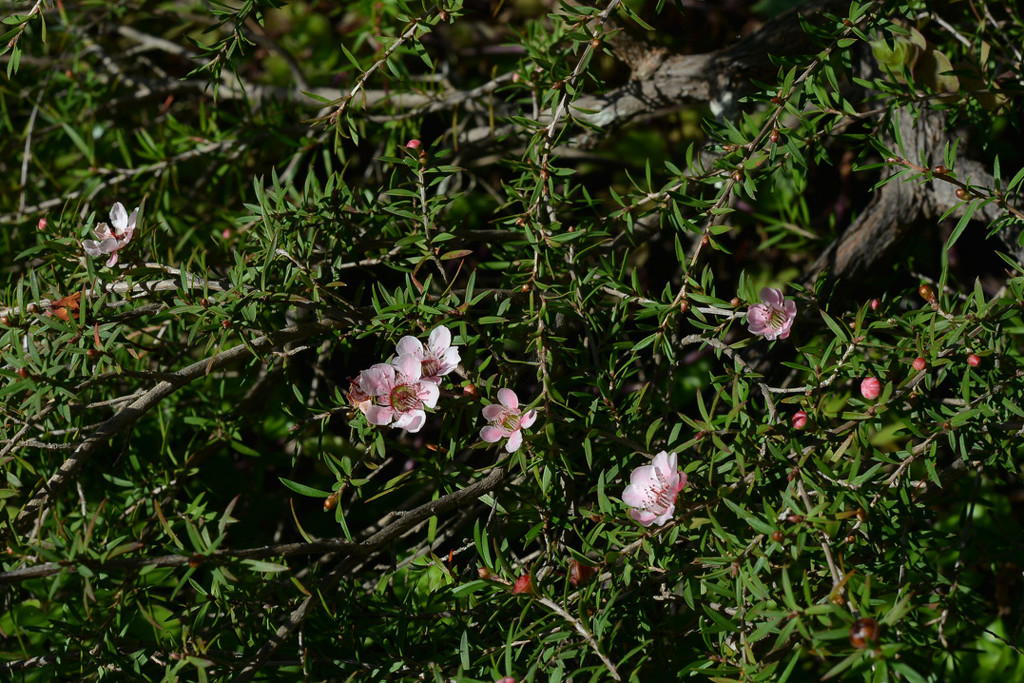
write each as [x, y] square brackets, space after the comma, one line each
[110, 241]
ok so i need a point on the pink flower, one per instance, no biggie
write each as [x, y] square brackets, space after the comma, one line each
[653, 489]
[42, 223]
[438, 358]
[413, 144]
[773, 317]
[799, 419]
[506, 679]
[397, 394]
[110, 241]
[920, 364]
[870, 388]
[506, 421]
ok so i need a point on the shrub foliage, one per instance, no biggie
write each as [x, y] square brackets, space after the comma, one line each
[590, 197]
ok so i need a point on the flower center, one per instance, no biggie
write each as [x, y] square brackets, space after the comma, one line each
[658, 495]
[403, 398]
[431, 366]
[509, 421]
[776, 318]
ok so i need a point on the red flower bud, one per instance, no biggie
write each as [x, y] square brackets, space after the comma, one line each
[870, 388]
[919, 364]
[973, 360]
[799, 419]
[523, 585]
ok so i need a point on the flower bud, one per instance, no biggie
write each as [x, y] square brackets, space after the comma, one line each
[919, 364]
[940, 170]
[580, 573]
[961, 193]
[42, 224]
[875, 303]
[413, 144]
[777, 536]
[863, 632]
[973, 360]
[927, 293]
[484, 573]
[523, 585]
[799, 419]
[870, 388]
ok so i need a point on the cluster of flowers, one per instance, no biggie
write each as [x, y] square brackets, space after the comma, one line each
[396, 393]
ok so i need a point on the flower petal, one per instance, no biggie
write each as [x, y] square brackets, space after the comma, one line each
[428, 392]
[409, 346]
[643, 476]
[493, 412]
[379, 415]
[118, 217]
[440, 339]
[771, 296]
[112, 260]
[508, 398]
[527, 420]
[643, 516]
[409, 366]
[514, 441]
[411, 420]
[491, 434]
[94, 248]
[635, 496]
[379, 380]
[102, 232]
[664, 463]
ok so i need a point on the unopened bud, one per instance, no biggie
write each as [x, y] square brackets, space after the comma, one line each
[961, 193]
[484, 573]
[523, 585]
[875, 303]
[799, 419]
[940, 170]
[413, 144]
[927, 293]
[973, 360]
[919, 364]
[870, 388]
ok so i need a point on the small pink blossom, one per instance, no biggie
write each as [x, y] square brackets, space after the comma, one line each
[773, 317]
[413, 144]
[799, 419]
[438, 358]
[506, 421]
[506, 679]
[653, 489]
[110, 241]
[870, 388]
[42, 223]
[397, 394]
